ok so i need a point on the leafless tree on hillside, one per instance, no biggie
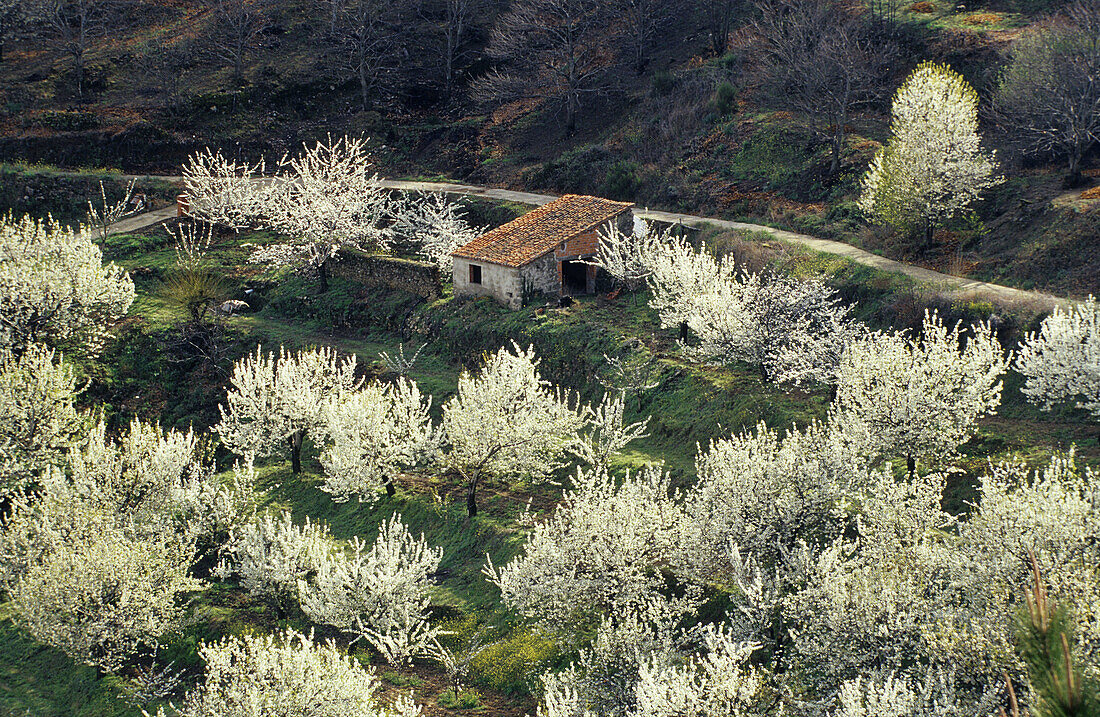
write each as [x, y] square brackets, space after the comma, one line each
[553, 49]
[641, 21]
[719, 16]
[75, 23]
[820, 60]
[458, 16]
[369, 46]
[236, 27]
[1048, 99]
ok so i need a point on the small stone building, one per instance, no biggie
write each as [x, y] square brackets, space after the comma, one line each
[544, 251]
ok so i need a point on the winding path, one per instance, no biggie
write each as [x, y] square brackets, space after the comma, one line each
[960, 287]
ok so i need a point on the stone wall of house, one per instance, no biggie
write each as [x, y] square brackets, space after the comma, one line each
[542, 276]
[504, 283]
[414, 277]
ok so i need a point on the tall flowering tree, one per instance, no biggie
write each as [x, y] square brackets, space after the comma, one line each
[325, 199]
[55, 289]
[919, 397]
[794, 330]
[506, 422]
[220, 191]
[373, 434]
[599, 555]
[1062, 360]
[378, 593]
[282, 399]
[933, 166]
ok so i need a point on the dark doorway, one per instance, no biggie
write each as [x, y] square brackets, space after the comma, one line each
[574, 278]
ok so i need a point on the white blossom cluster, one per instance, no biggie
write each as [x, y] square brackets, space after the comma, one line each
[373, 434]
[325, 199]
[39, 421]
[379, 593]
[435, 226]
[54, 288]
[919, 397]
[599, 553]
[97, 561]
[285, 674]
[506, 420]
[276, 399]
[1062, 360]
[795, 330]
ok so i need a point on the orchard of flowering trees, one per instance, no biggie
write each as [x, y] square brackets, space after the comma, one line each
[810, 570]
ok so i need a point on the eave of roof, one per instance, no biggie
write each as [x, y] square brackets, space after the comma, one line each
[522, 240]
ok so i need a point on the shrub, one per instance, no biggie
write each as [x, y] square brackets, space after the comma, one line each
[724, 101]
[465, 700]
[622, 181]
[511, 664]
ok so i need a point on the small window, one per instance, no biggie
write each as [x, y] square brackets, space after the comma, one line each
[475, 274]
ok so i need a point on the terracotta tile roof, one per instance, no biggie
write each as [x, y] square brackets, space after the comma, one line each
[537, 232]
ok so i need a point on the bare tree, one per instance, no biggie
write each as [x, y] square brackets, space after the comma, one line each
[75, 23]
[161, 67]
[369, 48]
[554, 49]
[236, 27]
[823, 62]
[1049, 96]
[641, 21]
[458, 16]
[719, 17]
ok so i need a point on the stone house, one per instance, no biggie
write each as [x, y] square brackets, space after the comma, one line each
[544, 251]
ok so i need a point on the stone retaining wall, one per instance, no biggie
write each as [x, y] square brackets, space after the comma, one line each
[414, 277]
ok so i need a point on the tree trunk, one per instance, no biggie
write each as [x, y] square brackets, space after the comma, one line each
[683, 331]
[322, 274]
[929, 234]
[471, 499]
[391, 490]
[296, 452]
[911, 464]
[1073, 179]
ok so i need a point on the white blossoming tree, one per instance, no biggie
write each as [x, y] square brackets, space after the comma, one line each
[919, 397]
[599, 554]
[102, 598]
[1062, 360]
[634, 667]
[227, 193]
[39, 422]
[326, 199]
[607, 433]
[506, 422]
[794, 330]
[933, 166]
[681, 278]
[54, 288]
[435, 227]
[626, 256]
[285, 674]
[270, 555]
[377, 593]
[272, 400]
[373, 434]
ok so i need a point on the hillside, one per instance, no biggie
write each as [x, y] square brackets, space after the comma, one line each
[691, 131]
